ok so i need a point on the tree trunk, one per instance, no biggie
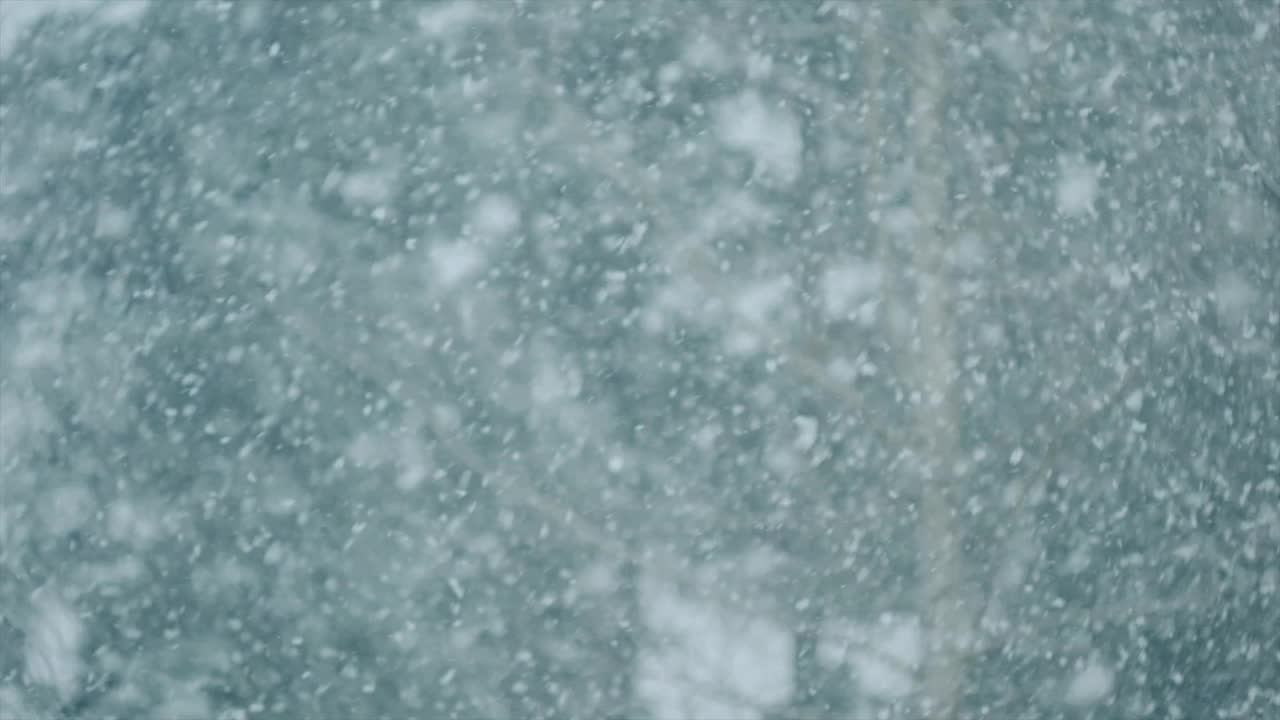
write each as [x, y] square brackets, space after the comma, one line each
[932, 366]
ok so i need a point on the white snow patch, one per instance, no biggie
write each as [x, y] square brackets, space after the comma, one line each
[1134, 401]
[112, 222]
[368, 187]
[1078, 560]
[759, 66]
[833, 642]
[770, 134]
[710, 662]
[705, 437]
[758, 301]
[1270, 582]
[599, 578]
[553, 384]
[368, 450]
[1077, 186]
[1260, 31]
[439, 20]
[451, 263]
[968, 252]
[892, 650]
[415, 463]
[134, 524]
[883, 656]
[847, 285]
[1118, 276]
[35, 349]
[1091, 684]
[842, 370]
[54, 637]
[495, 216]
[806, 433]
[1108, 83]
[121, 12]
[18, 16]
[783, 460]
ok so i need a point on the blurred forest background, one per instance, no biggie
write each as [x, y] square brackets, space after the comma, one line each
[714, 360]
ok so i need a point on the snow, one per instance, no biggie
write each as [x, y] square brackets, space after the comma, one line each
[445, 19]
[709, 662]
[1134, 401]
[364, 355]
[34, 349]
[806, 432]
[894, 649]
[706, 437]
[846, 286]
[704, 53]
[25, 420]
[766, 131]
[67, 507]
[1091, 684]
[1106, 86]
[55, 635]
[368, 449]
[371, 187]
[134, 523]
[495, 216]
[901, 220]
[53, 302]
[187, 701]
[1077, 189]
[883, 656]
[1117, 276]
[18, 16]
[113, 222]
[403, 450]
[759, 301]
[452, 263]
[1234, 296]
[598, 578]
[119, 12]
[13, 705]
[1010, 48]
[415, 461]
[554, 384]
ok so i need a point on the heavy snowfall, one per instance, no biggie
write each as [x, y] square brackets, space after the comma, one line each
[639, 359]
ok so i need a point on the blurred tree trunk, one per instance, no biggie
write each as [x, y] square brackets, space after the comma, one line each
[929, 361]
